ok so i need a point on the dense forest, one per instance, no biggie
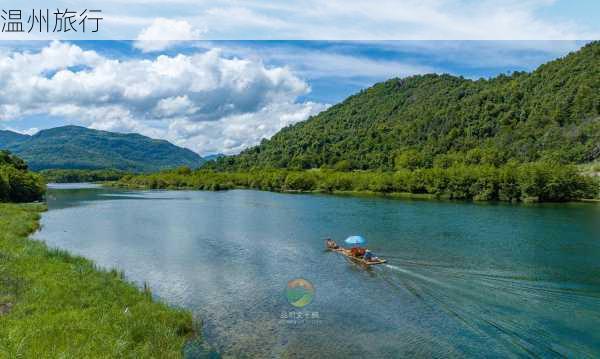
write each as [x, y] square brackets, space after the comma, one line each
[75, 147]
[510, 182]
[551, 114]
[17, 184]
[79, 176]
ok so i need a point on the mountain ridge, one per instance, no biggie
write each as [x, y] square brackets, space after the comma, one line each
[76, 147]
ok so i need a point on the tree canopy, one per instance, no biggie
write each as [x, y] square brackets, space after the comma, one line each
[17, 184]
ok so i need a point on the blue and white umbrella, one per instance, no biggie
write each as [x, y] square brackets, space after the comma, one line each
[355, 240]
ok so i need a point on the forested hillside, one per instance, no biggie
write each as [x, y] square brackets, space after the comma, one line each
[551, 114]
[8, 138]
[74, 147]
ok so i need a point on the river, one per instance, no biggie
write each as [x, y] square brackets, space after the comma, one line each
[462, 279]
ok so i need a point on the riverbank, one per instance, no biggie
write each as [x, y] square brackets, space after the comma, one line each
[53, 304]
[392, 195]
[81, 176]
[534, 182]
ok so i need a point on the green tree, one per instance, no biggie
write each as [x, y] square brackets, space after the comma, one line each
[410, 159]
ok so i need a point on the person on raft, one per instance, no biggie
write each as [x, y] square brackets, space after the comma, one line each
[331, 244]
[357, 252]
[363, 253]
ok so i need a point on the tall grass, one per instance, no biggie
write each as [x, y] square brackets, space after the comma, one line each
[63, 306]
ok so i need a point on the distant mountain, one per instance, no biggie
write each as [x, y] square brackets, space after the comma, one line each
[74, 147]
[7, 138]
[213, 157]
[552, 113]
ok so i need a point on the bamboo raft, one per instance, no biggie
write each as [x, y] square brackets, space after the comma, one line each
[359, 260]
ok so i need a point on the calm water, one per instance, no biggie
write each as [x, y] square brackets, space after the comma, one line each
[462, 279]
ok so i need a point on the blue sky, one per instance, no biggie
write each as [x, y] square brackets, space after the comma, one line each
[584, 12]
[256, 87]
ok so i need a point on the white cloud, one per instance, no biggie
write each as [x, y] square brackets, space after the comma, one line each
[164, 33]
[433, 19]
[388, 20]
[30, 131]
[234, 133]
[175, 106]
[332, 62]
[203, 101]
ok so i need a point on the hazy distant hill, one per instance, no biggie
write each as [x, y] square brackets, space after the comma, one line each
[7, 138]
[213, 157]
[552, 113]
[74, 147]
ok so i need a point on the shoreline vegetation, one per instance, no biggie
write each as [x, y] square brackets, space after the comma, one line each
[81, 175]
[513, 182]
[17, 183]
[54, 304]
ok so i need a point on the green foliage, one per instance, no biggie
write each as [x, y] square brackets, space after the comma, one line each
[7, 158]
[538, 181]
[411, 160]
[73, 147]
[343, 165]
[591, 169]
[183, 170]
[63, 306]
[551, 115]
[16, 183]
[78, 176]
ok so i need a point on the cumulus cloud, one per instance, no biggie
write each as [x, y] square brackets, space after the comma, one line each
[175, 106]
[204, 101]
[234, 133]
[164, 33]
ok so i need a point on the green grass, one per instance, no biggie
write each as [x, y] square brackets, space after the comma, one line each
[63, 306]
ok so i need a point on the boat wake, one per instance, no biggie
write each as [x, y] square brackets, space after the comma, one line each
[526, 316]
